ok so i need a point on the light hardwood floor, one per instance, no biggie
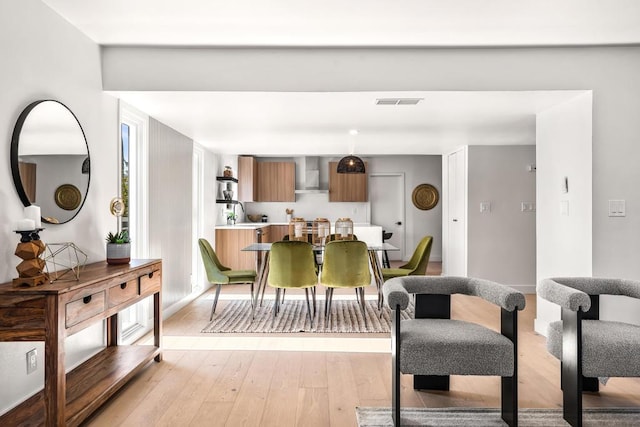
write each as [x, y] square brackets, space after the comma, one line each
[303, 380]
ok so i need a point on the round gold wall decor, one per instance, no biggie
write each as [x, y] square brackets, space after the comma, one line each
[68, 197]
[425, 197]
[116, 207]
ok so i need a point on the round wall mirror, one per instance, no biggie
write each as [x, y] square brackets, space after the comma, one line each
[50, 160]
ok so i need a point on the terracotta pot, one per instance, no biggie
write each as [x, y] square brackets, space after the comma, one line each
[118, 253]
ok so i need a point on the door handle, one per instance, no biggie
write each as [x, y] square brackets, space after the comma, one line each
[455, 220]
[399, 223]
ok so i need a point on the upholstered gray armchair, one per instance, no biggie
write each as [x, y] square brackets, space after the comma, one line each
[587, 347]
[432, 346]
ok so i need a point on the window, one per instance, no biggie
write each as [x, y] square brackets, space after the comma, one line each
[134, 321]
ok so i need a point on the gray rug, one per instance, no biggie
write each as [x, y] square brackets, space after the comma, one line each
[450, 417]
[346, 317]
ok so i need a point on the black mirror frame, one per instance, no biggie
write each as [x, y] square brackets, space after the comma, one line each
[15, 141]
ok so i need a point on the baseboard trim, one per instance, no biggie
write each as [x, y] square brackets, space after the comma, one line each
[179, 305]
[540, 327]
[525, 289]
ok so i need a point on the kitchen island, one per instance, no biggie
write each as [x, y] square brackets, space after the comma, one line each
[230, 239]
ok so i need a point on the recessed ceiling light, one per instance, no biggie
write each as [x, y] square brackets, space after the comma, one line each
[353, 131]
[398, 101]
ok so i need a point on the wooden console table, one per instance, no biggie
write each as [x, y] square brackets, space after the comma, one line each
[52, 312]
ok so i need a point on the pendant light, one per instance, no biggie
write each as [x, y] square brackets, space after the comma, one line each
[351, 163]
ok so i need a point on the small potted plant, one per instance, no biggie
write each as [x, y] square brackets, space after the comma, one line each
[231, 218]
[118, 248]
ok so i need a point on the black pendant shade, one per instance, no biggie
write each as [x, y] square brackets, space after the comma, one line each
[351, 164]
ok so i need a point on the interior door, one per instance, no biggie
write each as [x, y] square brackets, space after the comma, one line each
[456, 218]
[386, 194]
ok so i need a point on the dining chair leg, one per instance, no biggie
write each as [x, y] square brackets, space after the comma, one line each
[283, 292]
[306, 293]
[253, 306]
[313, 293]
[360, 290]
[263, 281]
[276, 306]
[215, 301]
[328, 306]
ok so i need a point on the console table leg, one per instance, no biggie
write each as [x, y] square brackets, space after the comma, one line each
[55, 380]
[112, 330]
[157, 324]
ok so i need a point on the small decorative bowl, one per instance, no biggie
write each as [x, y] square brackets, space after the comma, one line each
[254, 217]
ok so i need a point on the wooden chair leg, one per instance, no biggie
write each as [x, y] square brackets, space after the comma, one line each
[215, 302]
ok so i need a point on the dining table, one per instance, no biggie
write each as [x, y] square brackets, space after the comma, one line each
[263, 266]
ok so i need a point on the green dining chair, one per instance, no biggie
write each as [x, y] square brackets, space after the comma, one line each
[346, 265]
[292, 266]
[332, 237]
[218, 274]
[417, 265]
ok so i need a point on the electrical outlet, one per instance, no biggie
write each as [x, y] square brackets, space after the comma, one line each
[32, 361]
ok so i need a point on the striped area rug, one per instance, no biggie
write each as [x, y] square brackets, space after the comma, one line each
[455, 417]
[346, 316]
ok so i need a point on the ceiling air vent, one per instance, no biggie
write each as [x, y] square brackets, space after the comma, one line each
[398, 101]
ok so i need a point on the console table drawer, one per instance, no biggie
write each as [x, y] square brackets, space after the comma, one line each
[151, 282]
[84, 308]
[122, 293]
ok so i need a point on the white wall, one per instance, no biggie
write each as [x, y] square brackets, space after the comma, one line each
[564, 235]
[418, 223]
[502, 242]
[170, 208]
[44, 57]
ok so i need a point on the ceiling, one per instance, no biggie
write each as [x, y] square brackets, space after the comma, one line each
[318, 123]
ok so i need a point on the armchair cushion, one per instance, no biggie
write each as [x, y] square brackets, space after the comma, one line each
[609, 349]
[453, 347]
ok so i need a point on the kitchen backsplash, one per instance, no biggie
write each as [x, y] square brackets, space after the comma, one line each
[309, 207]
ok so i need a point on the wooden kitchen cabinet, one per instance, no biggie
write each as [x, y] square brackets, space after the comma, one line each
[54, 311]
[278, 232]
[229, 244]
[247, 179]
[276, 181]
[347, 187]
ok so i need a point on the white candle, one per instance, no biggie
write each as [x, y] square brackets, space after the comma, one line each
[33, 212]
[25, 224]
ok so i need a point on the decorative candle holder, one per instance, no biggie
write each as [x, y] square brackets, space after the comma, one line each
[30, 270]
[321, 229]
[298, 229]
[344, 229]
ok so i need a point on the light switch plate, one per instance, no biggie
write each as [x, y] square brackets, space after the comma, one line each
[485, 207]
[32, 361]
[617, 208]
[528, 206]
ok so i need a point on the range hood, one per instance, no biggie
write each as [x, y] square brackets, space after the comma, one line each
[308, 176]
